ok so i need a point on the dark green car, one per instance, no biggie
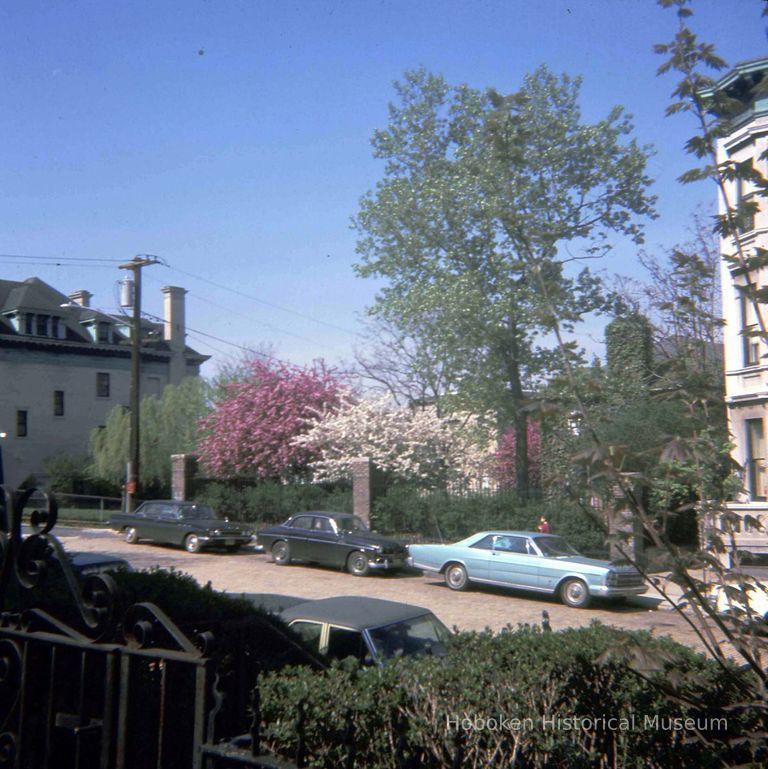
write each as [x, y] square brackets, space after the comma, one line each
[332, 539]
[180, 523]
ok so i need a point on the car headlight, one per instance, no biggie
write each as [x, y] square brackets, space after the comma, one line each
[214, 533]
[612, 579]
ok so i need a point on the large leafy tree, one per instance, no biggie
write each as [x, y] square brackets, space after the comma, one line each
[485, 200]
[258, 415]
[169, 425]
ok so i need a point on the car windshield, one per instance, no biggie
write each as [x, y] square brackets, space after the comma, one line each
[350, 524]
[197, 513]
[420, 635]
[554, 546]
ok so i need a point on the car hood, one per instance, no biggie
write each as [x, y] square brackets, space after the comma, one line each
[369, 539]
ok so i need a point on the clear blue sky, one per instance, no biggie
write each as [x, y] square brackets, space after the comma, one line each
[231, 137]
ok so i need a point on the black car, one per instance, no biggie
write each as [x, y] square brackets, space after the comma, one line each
[371, 630]
[333, 539]
[180, 523]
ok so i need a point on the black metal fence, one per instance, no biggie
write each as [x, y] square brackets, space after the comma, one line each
[104, 686]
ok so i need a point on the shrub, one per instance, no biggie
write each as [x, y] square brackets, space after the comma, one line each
[411, 711]
[406, 510]
[271, 501]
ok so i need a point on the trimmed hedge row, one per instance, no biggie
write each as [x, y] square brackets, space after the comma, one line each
[524, 698]
[271, 502]
[451, 517]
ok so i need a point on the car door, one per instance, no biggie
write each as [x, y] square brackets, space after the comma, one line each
[147, 521]
[168, 525]
[298, 536]
[514, 561]
[342, 642]
[323, 543]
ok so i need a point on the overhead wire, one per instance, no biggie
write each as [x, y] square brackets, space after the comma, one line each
[262, 301]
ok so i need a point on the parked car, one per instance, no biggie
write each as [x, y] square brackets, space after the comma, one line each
[180, 523]
[745, 602]
[544, 563]
[86, 564]
[369, 629]
[333, 539]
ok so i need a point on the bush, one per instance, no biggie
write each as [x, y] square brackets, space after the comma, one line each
[412, 712]
[271, 502]
[406, 510]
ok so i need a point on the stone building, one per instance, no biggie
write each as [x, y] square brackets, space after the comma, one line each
[64, 365]
[744, 143]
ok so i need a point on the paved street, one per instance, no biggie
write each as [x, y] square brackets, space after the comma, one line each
[473, 610]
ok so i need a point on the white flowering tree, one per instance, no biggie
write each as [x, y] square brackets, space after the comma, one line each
[412, 445]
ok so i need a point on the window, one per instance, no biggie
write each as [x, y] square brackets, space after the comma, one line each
[42, 325]
[310, 633]
[322, 524]
[303, 522]
[745, 216]
[102, 385]
[21, 424]
[343, 642]
[29, 323]
[58, 403]
[102, 332]
[756, 475]
[749, 330]
[55, 327]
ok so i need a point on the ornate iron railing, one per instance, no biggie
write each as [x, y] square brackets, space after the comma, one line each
[86, 682]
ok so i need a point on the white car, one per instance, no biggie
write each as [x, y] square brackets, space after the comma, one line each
[746, 600]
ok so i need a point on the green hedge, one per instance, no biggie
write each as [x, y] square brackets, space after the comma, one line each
[271, 502]
[539, 678]
[439, 515]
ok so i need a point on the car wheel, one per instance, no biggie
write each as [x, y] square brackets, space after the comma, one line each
[131, 536]
[456, 577]
[357, 564]
[192, 543]
[574, 592]
[281, 553]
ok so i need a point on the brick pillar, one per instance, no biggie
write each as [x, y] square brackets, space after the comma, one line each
[183, 470]
[368, 482]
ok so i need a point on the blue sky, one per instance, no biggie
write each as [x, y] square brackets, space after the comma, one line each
[232, 138]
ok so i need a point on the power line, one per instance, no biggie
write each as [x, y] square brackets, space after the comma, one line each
[60, 258]
[264, 301]
[157, 319]
[250, 318]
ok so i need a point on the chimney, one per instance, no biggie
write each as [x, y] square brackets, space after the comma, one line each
[81, 297]
[174, 330]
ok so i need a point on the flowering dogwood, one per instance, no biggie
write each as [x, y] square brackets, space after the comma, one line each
[252, 428]
[415, 445]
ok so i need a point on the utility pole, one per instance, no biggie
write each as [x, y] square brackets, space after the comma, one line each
[132, 470]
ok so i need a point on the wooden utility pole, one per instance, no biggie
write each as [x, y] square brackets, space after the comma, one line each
[132, 475]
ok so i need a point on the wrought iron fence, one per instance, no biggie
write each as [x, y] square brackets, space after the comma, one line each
[101, 685]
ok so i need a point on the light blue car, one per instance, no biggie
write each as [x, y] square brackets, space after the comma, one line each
[522, 559]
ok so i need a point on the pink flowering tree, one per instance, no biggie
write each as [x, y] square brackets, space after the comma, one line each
[252, 428]
[507, 451]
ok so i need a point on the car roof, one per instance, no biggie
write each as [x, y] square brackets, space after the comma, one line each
[326, 513]
[514, 534]
[354, 611]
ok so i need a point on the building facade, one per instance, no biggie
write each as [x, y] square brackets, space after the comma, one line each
[64, 366]
[744, 144]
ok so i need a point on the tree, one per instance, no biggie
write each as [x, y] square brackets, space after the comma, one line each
[252, 428]
[168, 425]
[402, 363]
[482, 200]
[416, 445]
